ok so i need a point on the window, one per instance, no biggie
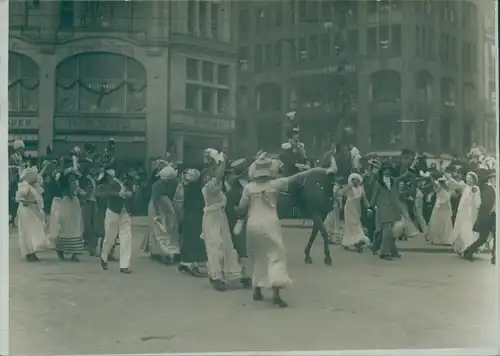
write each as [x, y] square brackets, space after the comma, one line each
[23, 84]
[352, 41]
[214, 14]
[313, 48]
[326, 10]
[395, 5]
[372, 40]
[67, 16]
[203, 14]
[302, 10]
[384, 5]
[325, 45]
[268, 17]
[430, 45]
[293, 51]
[222, 100]
[259, 18]
[207, 95]
[269, 55]
[243, 59]
[192, 95]
[313, 13]
[191, 17]
[453, 50]
[243, 24]
[396, 39]
[303, 49]
[207, 72]
[372, 7]
[278, 14]
[473, 59]
[384, 37]
[278, 54]
[192, 72]
[417, 41]
[223, 74]
[258, 60]
[293, 12]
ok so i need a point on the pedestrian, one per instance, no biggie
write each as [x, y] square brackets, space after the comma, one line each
[223, 265]
[463, 234]
[162, 239]
[193, 251]
[88, 205]
[440, 225]
[117, 222]
[419, 209]
[30, 215]
[486, 217]
[237, 181]
[266, 250]
[354, 234]
[67, 221]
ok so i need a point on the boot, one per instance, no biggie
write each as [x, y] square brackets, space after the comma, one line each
[257, 294]
[277, 298]
[218, 285]
[246, 282]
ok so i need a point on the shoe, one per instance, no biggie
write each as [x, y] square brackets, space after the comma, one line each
[34, 257]
[257, 294]
[104, 265]
[279, 302]
[60, 254]
[75, 258]
[125, 270]
[386, 257]
[246, 283]
[396, 255]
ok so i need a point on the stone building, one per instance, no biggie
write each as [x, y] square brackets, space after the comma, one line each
[412, 72]
[154, 75]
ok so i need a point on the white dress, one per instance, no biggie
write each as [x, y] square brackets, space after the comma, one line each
[353, 229]
[463, 234]
[31, 220]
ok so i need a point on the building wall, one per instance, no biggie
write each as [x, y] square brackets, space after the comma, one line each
[154, 35]
[412, 68]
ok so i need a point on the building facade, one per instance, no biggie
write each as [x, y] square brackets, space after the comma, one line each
[412, 73]
[154, 75]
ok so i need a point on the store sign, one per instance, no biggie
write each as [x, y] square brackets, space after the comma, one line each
[23, 123]
[201, 123]
[100, 124]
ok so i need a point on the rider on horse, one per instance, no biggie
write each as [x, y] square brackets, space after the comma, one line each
[293, 154]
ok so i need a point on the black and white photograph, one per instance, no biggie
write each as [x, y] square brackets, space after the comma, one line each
[249, 177]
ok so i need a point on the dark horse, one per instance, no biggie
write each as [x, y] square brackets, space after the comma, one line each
[311, 198]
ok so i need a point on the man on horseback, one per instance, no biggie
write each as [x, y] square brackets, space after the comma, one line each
[293, 153]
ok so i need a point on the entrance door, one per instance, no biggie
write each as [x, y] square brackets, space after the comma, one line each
[194, 146]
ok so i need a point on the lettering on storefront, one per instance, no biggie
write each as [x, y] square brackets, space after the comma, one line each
[97, 45]
[100, 124]
[21, 124]
[200, 123]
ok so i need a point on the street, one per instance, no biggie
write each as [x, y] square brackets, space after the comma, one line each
[424, 300]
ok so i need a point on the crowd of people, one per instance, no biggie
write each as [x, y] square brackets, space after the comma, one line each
[221, 222]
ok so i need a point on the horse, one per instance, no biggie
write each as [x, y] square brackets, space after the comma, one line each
[313, 198]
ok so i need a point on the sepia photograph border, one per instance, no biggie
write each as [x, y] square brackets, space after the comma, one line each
[4, 238]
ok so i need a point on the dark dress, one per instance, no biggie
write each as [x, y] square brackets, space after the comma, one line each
[233, 199]
[192, 246]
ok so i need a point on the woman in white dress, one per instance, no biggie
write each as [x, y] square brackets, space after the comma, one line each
[463, 234]
[223, 265]
[354, 235]
[440, 225]
[266, 251]
[30, 215]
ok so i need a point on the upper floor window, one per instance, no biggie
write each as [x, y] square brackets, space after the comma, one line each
[23, 84]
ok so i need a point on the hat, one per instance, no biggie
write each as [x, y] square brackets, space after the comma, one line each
[18, 144]
[263, 167]
[375, 163]
[167, 172]
[239, 166]
[29, 175]
[190, 175]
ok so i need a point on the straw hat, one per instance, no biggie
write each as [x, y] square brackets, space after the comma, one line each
[18, 144]
[167, 173]
[263, 167]
[239, 167]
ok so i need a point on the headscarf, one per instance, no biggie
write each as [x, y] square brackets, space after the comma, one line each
[190, 175]
[353, 176]
[167, 173]
[18, 144]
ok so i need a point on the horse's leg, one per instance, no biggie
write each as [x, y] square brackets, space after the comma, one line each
[307, 251]
[318, 225]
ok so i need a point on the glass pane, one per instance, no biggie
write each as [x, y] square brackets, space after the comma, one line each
[29, 99]
[222, 100]
[192, 97]
[208, 72]
[28, 67]
[135, 70]
[223, 75]
[66, 99]
[68, 68]
[91, 101]
[102, 65]
[206, 99]
[14, 98]
[13, 66]
[192, 69]
[136, 97]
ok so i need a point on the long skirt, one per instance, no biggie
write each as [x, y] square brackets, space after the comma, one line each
[440, 226]
[222, 257]
[70, 245]
[31, 230]
[353, 230]
[53, 224]
[192, 246]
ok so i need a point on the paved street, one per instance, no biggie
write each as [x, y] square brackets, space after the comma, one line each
[425, 300]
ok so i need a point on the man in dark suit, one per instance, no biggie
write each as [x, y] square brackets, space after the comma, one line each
[485, 223]
[293, 153]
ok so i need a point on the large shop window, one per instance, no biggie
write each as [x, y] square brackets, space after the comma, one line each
[103, 83]
[23, 84]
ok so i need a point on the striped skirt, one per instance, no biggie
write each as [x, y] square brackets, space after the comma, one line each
[73, 245]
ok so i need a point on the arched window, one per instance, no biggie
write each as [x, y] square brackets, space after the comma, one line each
[385, 86]
[98, 82]
[23, 84]
[424, 83]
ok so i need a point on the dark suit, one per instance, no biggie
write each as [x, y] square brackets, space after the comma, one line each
[485, 223]
[233, 199]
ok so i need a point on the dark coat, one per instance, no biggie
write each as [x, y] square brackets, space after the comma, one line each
[233, 199]
[387, 202]
[484, 215]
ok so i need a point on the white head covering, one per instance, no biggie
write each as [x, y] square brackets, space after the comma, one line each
[353, 176]
[215, 155]
[190, 175]
[29, 175]
[167, 173]
[18, 144]
[264, 166]
[473, 175]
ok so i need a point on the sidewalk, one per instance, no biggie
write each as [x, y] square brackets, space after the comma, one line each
[416, 244]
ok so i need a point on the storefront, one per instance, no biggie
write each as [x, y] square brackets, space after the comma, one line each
[101, 95]
[23, 101]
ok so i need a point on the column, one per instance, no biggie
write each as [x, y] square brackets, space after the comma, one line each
[408, 85]
[458, 119]
[154, 30]
[46, 100]
[179, 147]
[434, 125]
[157, 104]
[209, 20]
[197, 30]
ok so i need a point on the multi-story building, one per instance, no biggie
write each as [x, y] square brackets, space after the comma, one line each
[154, 75]
[412, 72]
[487, 59]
